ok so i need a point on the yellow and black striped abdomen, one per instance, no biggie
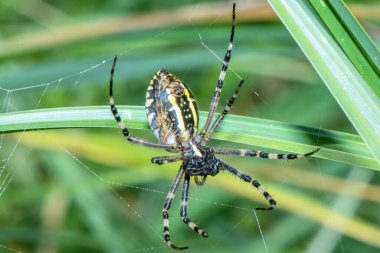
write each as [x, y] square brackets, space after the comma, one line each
[171, 109]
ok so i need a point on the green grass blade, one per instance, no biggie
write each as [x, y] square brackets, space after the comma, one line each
[354, 95]
[349, 43]
[102, 221]
[336, 146]
[357, 32]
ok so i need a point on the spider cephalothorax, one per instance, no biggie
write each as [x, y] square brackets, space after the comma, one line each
[173, 117]
[204, 165]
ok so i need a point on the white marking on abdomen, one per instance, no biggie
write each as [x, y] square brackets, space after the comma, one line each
[151, 117]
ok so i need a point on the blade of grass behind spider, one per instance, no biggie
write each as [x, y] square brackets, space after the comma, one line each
[358, 47]
[346, 84]
[100, 219]
[357, 32]
[337, 146]
[313, 210]
[116, 157]
[135, 170]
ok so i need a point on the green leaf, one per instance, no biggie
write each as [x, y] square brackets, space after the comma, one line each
[349, 87]
[354, 43]
[341, 147]
[362, 40]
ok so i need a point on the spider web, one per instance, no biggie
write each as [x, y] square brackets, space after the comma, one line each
[13, 98]
[15, 154]
[7, 169]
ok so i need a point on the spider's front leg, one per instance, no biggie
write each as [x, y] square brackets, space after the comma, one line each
[183, 211]
[255, 183]
[165, 210]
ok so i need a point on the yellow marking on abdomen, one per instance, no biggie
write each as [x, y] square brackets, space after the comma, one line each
[178, 112]
[192, 108]
[148, 102]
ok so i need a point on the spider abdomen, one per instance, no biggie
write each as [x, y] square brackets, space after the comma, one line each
[171, 109]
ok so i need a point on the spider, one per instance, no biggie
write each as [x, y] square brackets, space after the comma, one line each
[173, 117]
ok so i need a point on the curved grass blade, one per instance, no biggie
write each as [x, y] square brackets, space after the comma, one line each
[337, 146]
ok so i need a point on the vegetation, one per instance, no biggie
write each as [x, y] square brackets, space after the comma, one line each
[85, 189]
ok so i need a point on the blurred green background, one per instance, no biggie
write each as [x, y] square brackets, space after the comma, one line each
[88, 190]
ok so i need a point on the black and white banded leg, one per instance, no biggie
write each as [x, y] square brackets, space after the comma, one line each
[122, 126]
[165, 210]
[222, 75]
[223, 113]
[260, 154]
[183, 208]
[166, 159]
[255, 183]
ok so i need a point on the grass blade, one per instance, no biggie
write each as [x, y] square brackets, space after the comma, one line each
[354, 95]
[357, 32]
[353, 46]
[341, 147]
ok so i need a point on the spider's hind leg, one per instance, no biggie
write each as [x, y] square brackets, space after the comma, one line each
[124, 129]
[185, 219]
[255, 183]
[223, 113]
[222, 74]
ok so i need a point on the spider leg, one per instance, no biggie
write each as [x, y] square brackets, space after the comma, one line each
[218, 90]
[224, 113]
[165, 210]
[165, 159]
[183, 211]
[122, 126]
[255, 183]
[255, 153]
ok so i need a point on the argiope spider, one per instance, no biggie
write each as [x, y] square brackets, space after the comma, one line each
[173, 117]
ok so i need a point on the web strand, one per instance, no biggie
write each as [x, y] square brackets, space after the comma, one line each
[261, 231]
